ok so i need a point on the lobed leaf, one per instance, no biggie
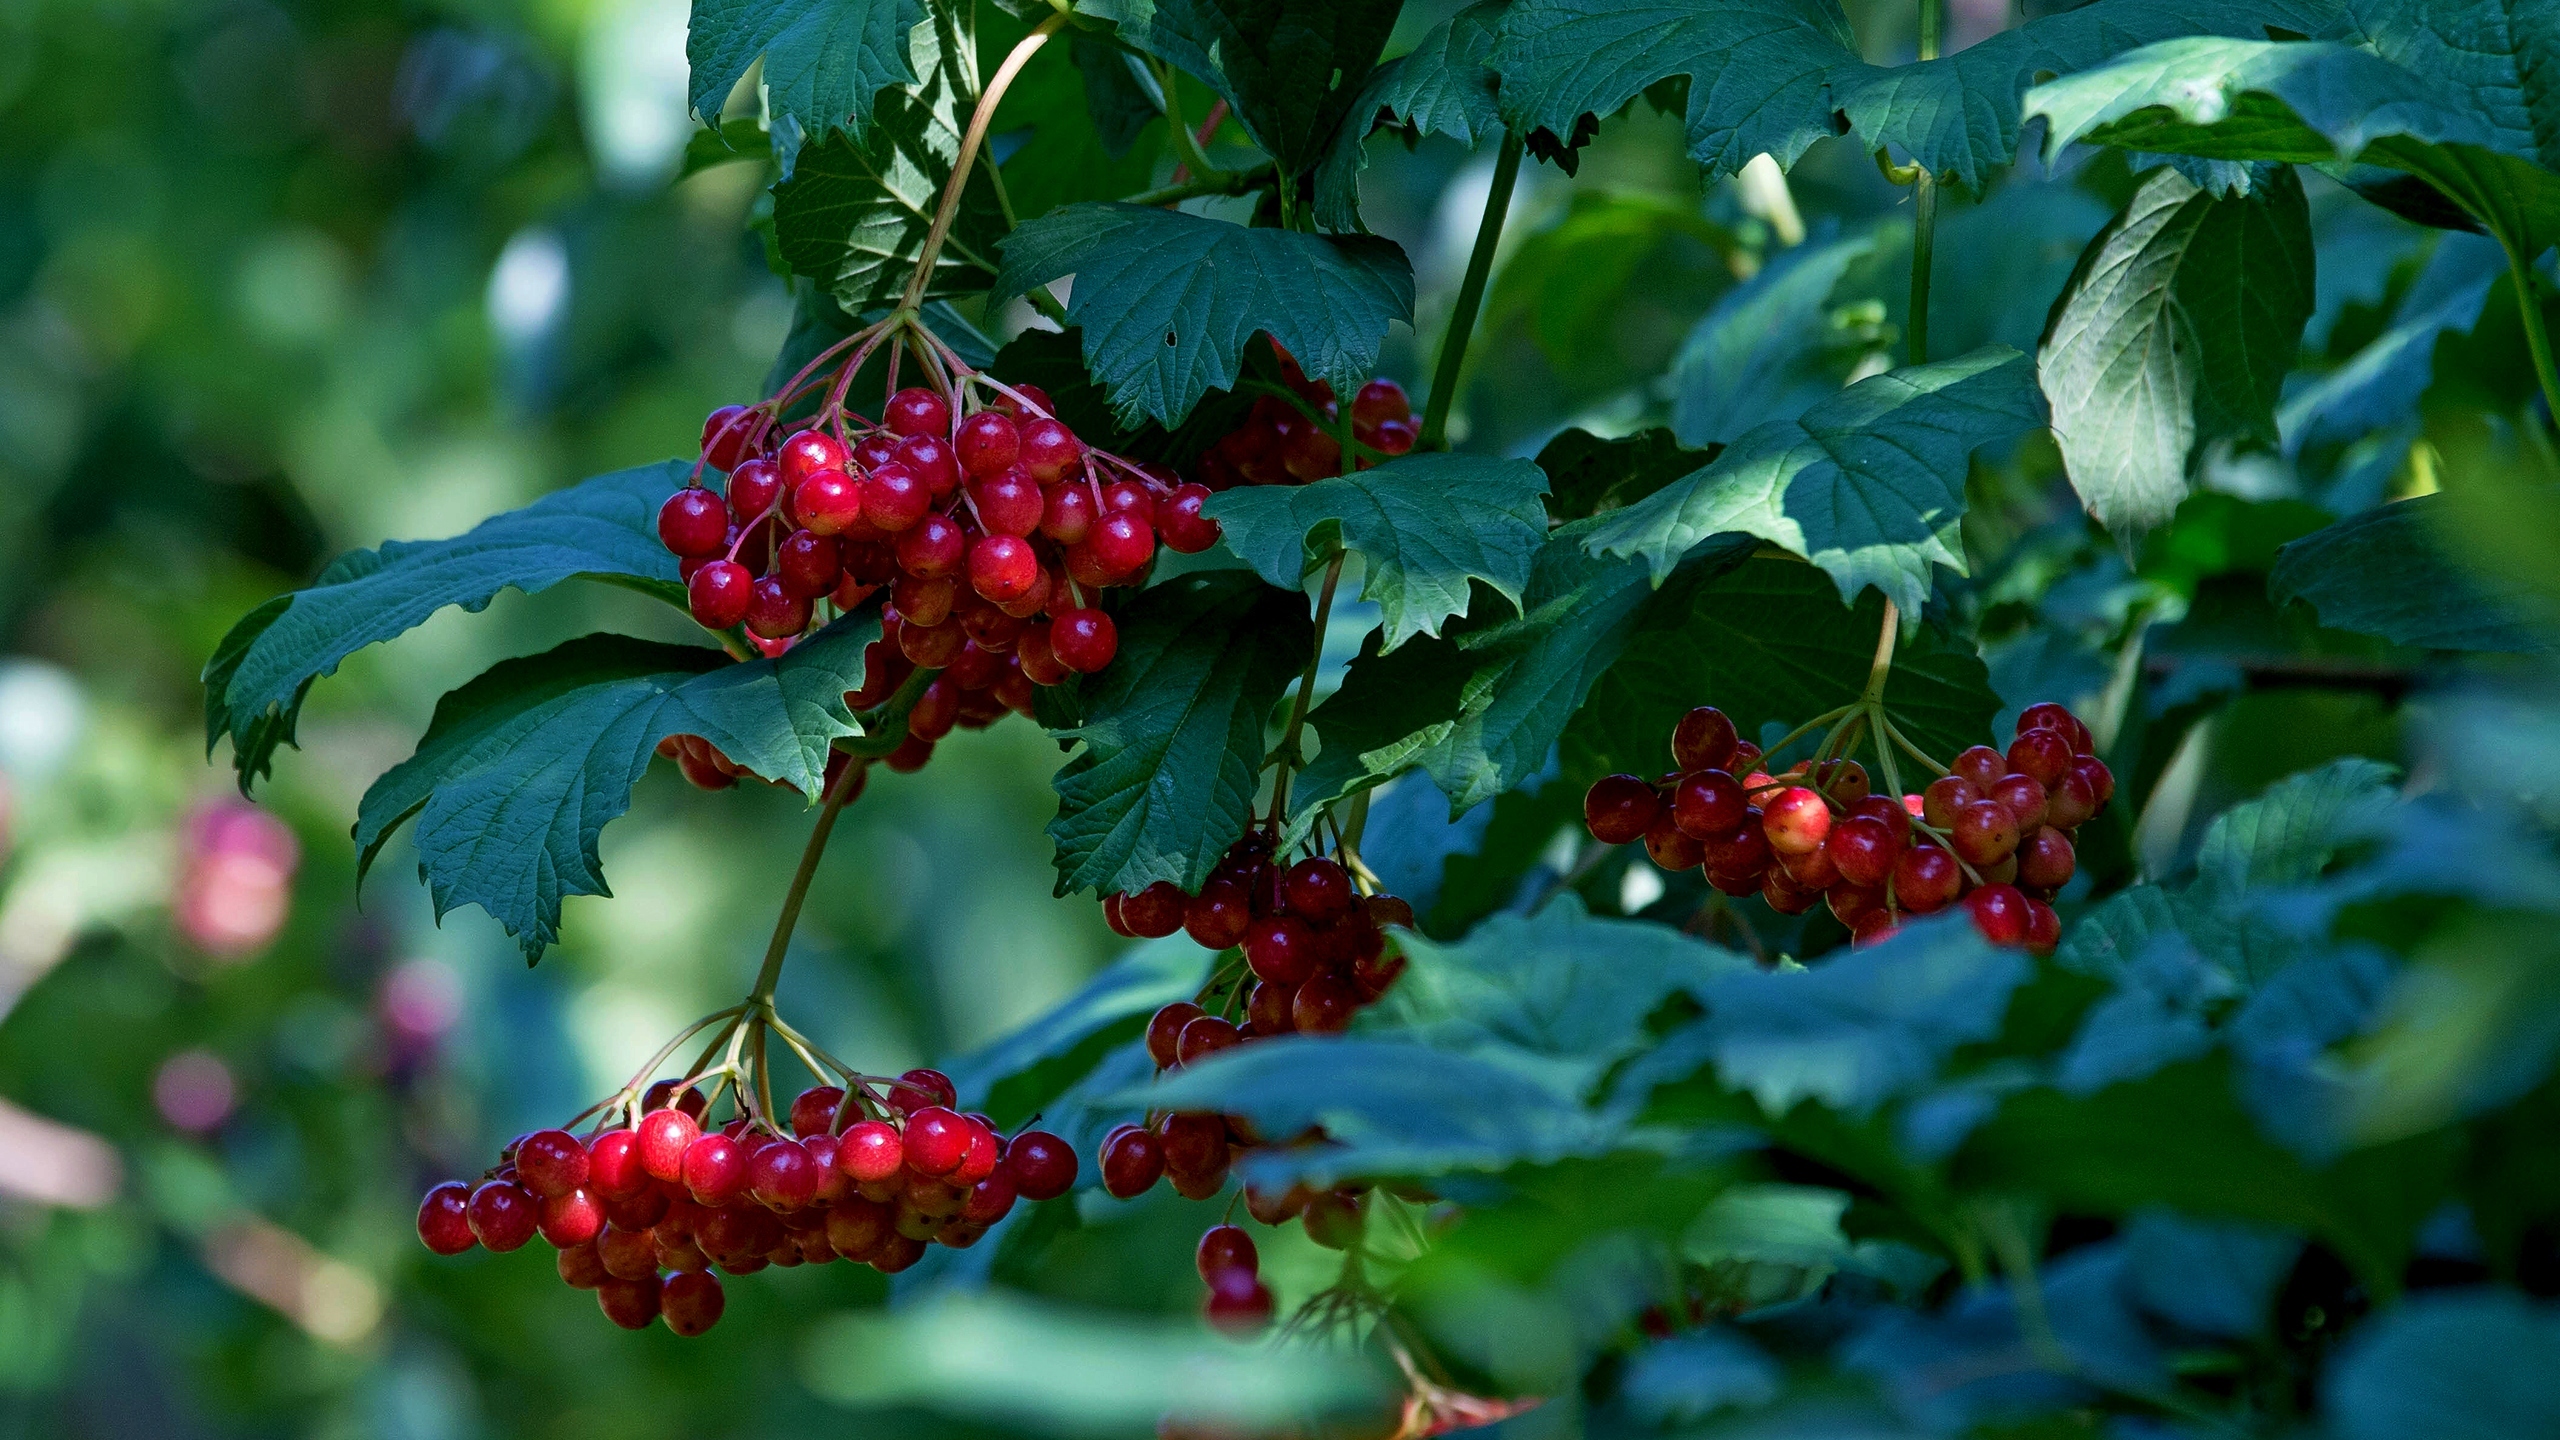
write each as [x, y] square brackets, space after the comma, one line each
[1587, 475]
[1440, 87]
[2385, 572]
[1289, 68]
[825, 61]
[1424, 526]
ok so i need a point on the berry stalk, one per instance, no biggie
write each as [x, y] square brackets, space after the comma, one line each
[1306, 692]
[979, 119]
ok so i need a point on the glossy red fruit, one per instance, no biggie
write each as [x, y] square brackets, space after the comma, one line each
[1267, 1009]
[551, 1162]
[805, 453]
[1195, 1143]
[724, 435]
[631, 1304]
[990, 1200]
[1084, 640]
[1217, 917]
[2044, 928]
[857, 1227]
[1132, 1162]
[1155, 911]
[627, 1253]
[1281, 949]
[579, 1267]
[755, 487]
[935, 711]
[2101, 780]
[2045, 858]
[1980, 764]
[1708, 802]
[894, 497]
[1619, 809]
[444, 1219]
[934, 546]
[691, 1303]
[1786, 895]
[694, 523]
[1379, 401]
[1122, 543]
[1872, 928]
[1203, 1037]
[929, 459]
[1862, 849]
[1395, 437]
[781, 1176]
[613, 1165]
[1223, 1248]
[828, 503]
[987, 443]
[1740, 851]
[1332, 1219]
[1848, 901]
[1926, 879]
[916, 411]
[720, 593]
[923, 602]
[1050, 451]
[1320, 889]
[808, 564]
[2069, 805]
[1797, 820]
[1164, 1032]
[1034, 403]
[870, 1151]
[2000, 913]
[813, 1111]
[1985, 833]
[1895, 814]
[1181, 525]
[1945, 796]
[932, 646]
[1002, 567]
[664, 1136]
[1323, 1005]
[571, 1218]
[773, 612]
[2051, 716]
[1238, 1304]
[2024, 795]
[503, 1214]
[1671, 847]
[2044, 754]
[1813, 869]
[1043, 1166]
[715, 1169]
[937, 1141]
[1010, 503]
[985, 1152]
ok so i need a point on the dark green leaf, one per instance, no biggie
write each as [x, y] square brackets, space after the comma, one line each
[2289, 834]
[824, 60]
[2463, 1365]
[2385, 572]
[1587, 475]
[604, 528]
[1075, 149]
[1054, 361]
[1290, 68]
[854, 213]
[2214, 1278]
[2501, 57]
[1566, 283]
[1167, 300]
[2175, 336]
[1765, 352]
[1172, 737]
[525, 766]
[2380, 385]
[726, 144]
[1018, 1073]
[1424, 526]
[1119, 93]
[1868, 484]
[1440, 87]
[1770, 641]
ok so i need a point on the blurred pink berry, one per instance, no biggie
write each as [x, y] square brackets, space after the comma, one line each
[235, 878]
[193, 1090]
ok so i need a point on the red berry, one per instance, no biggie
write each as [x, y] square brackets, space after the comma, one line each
[2023, 794]
[875, 449]
[1704, 740]
[2069, 805]
[990, 1200]
[1223, 1248]
[571, 1218]
[664, 1136]
[894, 497]
[1003, 567]
[1067, 512]
[781, 1175]
[1796, 819]
[579, 1266]
[694, 523]
[1009, 504]
[1218, 916]
[2044, 754]
[1925, 879]
[2000, 913]
[828, 503]
[1332, 1219]
[2101, 780]
[724, 435]
[1195, 1144]
[691, 1303]
[929, 459]
[1034, 402]
[720, 593]
[1268, 1008]
[1164, 1032]
[755, 487]
[1872, 928]
[937, 1141]
[932, 547]
[2050, 716]
[1155, 911]
[924, 602]
[1395, 437]
[932, 646]
[1619, 809]
[1203, 1037]
[1945, 796]
[1812, 870]
[613, 1165]
[1132, 1162]
[1178, 520]
[1741, 851]
[1985, 833]
[1050, 451]
[1084, 640]
[773, 612]
[1043, 1166]
[503, 1214]
[1980, 764]
[1320, 889]
[715, 1169]
[1708, 802]
[631, 1304]
[1280, 949]
[808, 564]
[1894, 814]
[2044, 928]
[1122, 542]
[870, 1151]
[1862, 849]
[804, 453]
[857, 1228]
[1378, 402]
[987, 443]
[813, 1111]
[923, 1087]
[551, 1162]
[2045, 858]
[916, 411]
[444, 1219]
[1323, 1005]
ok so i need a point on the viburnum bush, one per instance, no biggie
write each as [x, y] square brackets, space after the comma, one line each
[1858, 1059]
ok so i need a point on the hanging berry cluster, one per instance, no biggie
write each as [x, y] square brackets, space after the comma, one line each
[1281, 443]
[1993, 832]
[643, 1213]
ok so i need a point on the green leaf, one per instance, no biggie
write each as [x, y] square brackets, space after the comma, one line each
[1440, 87]
[1764, 352]
[1289, 68]
[2379, 386]
[2464, 1365]
[1560, 986]
[1019, 1072]
[2287, 835]
[824, 60]
[604, 528]
[1172, 734]
[2502, 58]
[1088, 129]
[1022, 1365]
[2118, 931]
[524, 767]
[855, 210]
[1868, 484]
[1424, 526]
[1587, 475]
[1120, 94]
[726, 143]
[1760, 71]
[1568, 282]
[1770, 642]
[2385, 572]
[1167, 300]
[1054, 361]
[2174, 336]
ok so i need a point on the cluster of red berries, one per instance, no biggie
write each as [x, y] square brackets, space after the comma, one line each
[641, 1214]
[1993, 832]
[1283, 444]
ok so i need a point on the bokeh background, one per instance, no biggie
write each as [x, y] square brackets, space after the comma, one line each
[281, 279]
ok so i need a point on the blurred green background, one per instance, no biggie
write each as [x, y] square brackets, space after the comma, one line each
[281, 279]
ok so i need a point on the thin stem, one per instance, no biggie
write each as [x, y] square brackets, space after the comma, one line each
[1801, 731]
[1235, 183]
[1306, 692]
[1924, 196]
[1195, 153]
[1914, 751]
[1882, 668]
[2537, 336]
[761, 997]
[979, 119]
[1884, 754]
[1462, 318]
